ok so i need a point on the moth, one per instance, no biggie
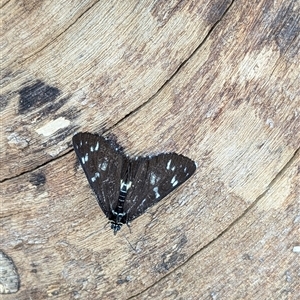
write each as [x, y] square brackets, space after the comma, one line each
[126, 187]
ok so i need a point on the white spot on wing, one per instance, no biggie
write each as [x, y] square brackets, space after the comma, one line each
[86, 158]
[103, 166]
[82, 160]
[97, 146]
[92, 149]
[184, 170]
[174, 181]
[97, 174]
[169, 164]
[152, 178]
[155, 190]
[173, 168]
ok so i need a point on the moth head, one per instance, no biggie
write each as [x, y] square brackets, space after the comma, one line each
[115, 227]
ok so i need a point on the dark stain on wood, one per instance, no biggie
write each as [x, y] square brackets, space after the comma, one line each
[38, 179]
[52, 107]
[36, 95]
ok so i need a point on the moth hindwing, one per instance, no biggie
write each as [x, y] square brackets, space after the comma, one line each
[125, 187]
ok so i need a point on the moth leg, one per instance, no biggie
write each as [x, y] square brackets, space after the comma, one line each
[128, 225]
[106, 224]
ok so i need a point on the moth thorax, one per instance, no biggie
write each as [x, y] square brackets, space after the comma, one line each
[125, 186]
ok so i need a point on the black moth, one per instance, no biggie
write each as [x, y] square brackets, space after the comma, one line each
[125, 187]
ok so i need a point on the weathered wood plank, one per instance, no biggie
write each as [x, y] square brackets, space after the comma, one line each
[104, 65]
[255, 258]
[233, 107]
[30, 26]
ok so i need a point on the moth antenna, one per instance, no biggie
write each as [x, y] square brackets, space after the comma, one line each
[130, 244]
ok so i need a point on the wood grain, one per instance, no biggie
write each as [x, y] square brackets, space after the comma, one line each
[217, 82]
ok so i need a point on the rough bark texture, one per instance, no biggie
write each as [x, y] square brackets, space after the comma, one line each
[215, 81]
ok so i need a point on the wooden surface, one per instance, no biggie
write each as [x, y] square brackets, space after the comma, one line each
[215, 81]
